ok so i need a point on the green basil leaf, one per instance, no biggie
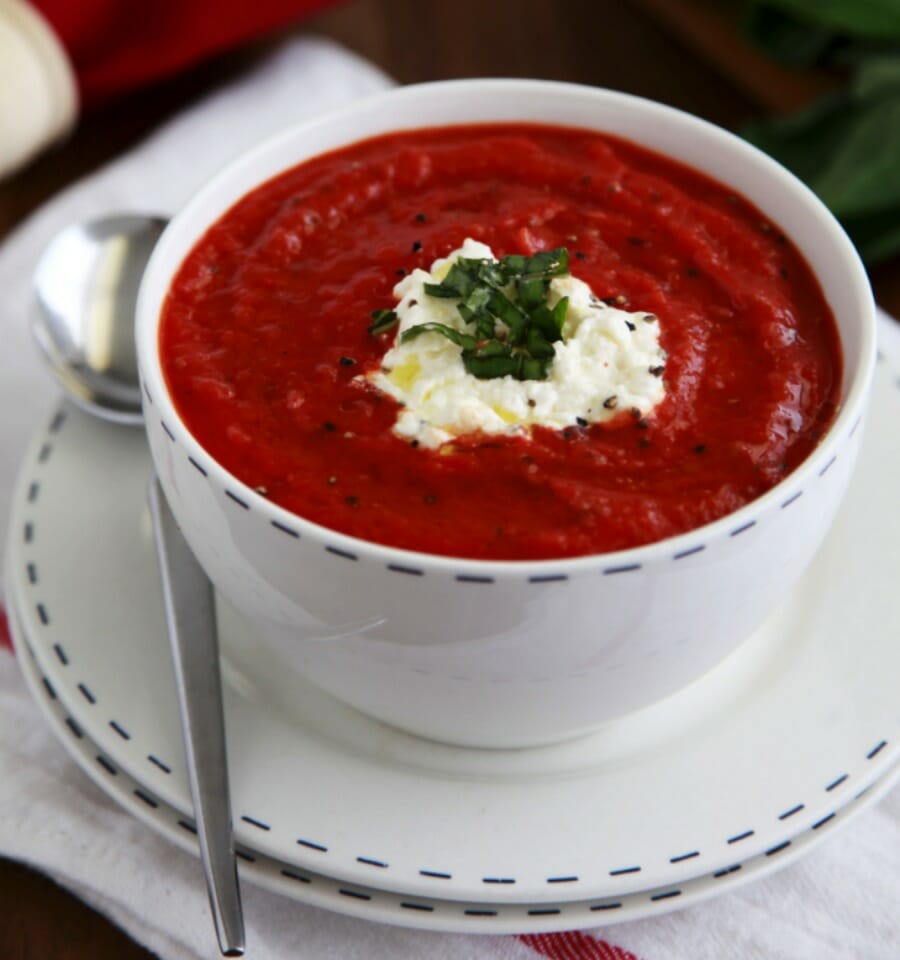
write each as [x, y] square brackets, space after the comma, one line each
[459, 282]
[559, 315]
[515, 318]
[482, 321]
[383, 320]
[549, 263]
[531, 291]
[532, 368]
[439, 290]
[538, 346]
[493, 348]
[478, 300]
[490, 273]
[460, 339]
[487, 368]
[485, 326]
[545, 320]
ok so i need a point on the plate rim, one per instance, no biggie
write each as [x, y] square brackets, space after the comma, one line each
[412, 911]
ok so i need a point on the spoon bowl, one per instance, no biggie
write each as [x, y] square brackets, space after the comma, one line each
[86, 285]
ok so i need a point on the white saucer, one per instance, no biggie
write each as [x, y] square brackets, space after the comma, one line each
[775, 740]
[385, 907]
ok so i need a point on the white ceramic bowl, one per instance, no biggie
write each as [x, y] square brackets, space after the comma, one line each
[488, 653]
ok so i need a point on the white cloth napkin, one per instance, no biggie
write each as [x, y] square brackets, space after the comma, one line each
[841, 901]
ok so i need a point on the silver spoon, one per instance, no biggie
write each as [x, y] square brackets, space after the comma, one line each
[86, 285]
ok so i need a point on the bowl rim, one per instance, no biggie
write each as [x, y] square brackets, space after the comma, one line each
[156, 282]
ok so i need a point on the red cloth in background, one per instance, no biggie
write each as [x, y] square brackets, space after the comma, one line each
[5, 638]
[574, 946]
[118, 45]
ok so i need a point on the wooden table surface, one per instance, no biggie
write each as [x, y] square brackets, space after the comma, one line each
[682, 52]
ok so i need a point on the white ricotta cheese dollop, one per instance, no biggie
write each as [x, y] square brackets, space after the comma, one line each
[609, 360]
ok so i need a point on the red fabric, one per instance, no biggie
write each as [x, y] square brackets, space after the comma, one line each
[5, 639]
[119, 45]
[574, 946]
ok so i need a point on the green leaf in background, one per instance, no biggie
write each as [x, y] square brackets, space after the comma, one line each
[846, 146]
[794, 34]
[878, 19]
[877, 237]
[878, 75]
[788, 40]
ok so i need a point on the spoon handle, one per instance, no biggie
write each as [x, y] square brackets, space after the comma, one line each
[191, 621]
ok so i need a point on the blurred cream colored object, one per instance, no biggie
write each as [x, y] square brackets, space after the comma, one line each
[38, 92]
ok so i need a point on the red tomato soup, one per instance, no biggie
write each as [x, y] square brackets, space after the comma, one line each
[264, 338]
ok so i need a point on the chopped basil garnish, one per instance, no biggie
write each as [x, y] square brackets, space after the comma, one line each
[460, 339]
[505, 302]
[382, 321]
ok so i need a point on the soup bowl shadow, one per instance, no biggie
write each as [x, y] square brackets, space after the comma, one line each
[511, 653]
